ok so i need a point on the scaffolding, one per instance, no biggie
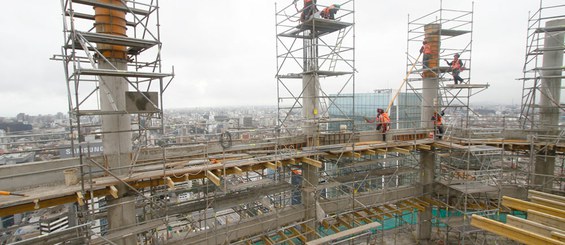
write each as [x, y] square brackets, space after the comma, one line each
[544, 38]
[315, 63]
[542, 105]
[450, 32]
[470, 173]
[214, 189]
[95, 51]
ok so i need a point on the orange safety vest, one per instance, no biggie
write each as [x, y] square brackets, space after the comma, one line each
[326, 11]
[455, 65]
[384, 118]
[438, 120]
[427, 49]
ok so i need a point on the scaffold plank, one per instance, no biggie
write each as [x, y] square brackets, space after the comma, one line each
[511, 232]
[96, 3]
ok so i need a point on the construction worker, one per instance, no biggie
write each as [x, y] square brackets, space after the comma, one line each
[426, 49]
[383, 122]
[308, 10]
[330, 11]
[438, 124]
[456, 67]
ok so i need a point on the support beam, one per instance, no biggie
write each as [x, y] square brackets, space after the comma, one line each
[559, 236]
[169, 182]
[270, 165]
[381, 151]
[267, 240]
[547, 202]
[369, 152]
[212, 177]
[530, 226]
[297, 233]
[352, 154]
[238, 171]
[546, 219]
[424, 147]
[80, 198]
[533, 193]
[312, 162]
[526, 206]
[345, 233]
[285, 238]
[514, 233]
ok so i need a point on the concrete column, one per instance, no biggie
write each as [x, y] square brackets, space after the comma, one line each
[550, 98]
[430, 83]
[551, 87]
[117, 142]
[427, 180]
[310, 110]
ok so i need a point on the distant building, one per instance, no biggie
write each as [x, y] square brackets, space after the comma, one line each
[247, 122]
[11, 127]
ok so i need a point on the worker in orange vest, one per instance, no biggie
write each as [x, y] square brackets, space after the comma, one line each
[383, 122]
[426, 49]
[456, 68]
[438, 124]
[330, 11]
[308, 10]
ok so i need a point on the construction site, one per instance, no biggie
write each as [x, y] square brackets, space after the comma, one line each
[319, 176]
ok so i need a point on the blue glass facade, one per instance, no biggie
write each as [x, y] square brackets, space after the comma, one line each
[404, 113]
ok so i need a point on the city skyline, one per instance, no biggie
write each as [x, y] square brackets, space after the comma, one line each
[221, 63]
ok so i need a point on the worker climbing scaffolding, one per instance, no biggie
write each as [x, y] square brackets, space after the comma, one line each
[438, 124]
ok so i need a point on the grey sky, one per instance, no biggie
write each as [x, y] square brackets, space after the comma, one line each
[224, 53]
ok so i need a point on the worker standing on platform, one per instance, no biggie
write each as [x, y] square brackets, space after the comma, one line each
[456, 67]
[426, 49]
[438, 124]
[382, 120]
[330, 11]
[308, 10]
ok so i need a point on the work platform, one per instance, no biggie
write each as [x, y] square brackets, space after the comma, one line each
[318, 26]
[199, 169]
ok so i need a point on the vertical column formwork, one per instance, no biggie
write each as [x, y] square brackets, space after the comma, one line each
[550, 97]
[117, 141]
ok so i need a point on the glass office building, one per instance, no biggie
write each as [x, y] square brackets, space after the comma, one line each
[404, 113]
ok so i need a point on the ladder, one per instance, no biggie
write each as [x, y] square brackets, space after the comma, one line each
[337, 49]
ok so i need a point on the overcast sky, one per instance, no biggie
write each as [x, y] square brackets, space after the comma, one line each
[224, 53]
